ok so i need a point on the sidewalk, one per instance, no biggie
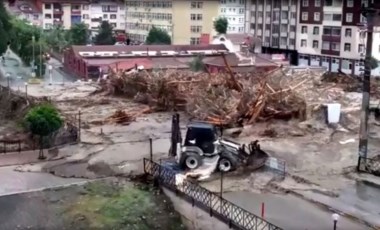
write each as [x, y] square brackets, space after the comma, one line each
[25, 157]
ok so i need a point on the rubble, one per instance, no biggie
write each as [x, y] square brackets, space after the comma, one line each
[125, 118]
[234, 99]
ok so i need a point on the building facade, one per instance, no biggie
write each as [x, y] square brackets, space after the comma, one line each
[234, 11]
[185, 21]
[274, 22]
[329, 34]
[90, 12]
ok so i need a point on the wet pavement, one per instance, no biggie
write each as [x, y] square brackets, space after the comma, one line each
[290, 212]
[17, 182]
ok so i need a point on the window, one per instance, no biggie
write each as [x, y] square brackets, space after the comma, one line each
[361, 48]
[113, 25]
[75, 7]
[305, 3]
[241, 11]
[47, 7]
[85, 7]
[194, 41]
[317, 3]
[292, 28]
[86, 16]
[335, 46]
[283, 41]
[48, 16]
[35, 16]
[305, 16]
[317, 16]
[304, 29]
[196, 29]
[350, 3]
[48, 26]
[332, 17]
[325, 45]
[349, 17]
[315, 44]
[303, 43]
[348, 33]
[292, 41]
[316, 30]
[196, 5]
[196, 17]
[293, 15]
[347, 47]
[113, 16]
[105, 16]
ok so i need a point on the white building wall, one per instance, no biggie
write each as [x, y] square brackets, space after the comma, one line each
[234, 11]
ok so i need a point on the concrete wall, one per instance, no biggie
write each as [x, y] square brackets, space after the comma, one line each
[193, 217]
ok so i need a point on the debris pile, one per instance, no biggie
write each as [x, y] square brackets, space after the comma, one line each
[125, 118]
[350, 83]
[222, 98]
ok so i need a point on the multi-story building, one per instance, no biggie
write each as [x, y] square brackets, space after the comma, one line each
[185, 21]
[274, 22]
[329, 34]
[234, 11]
[91, 12]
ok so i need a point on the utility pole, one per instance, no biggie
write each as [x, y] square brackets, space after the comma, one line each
[368, 12]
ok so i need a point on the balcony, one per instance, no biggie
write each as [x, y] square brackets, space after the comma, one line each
[331, 52]
[285, 8]
[57, 22]
[75, 10]
[330, 38]
[284, 21]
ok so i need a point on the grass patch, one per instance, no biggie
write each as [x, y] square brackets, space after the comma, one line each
[110, 206]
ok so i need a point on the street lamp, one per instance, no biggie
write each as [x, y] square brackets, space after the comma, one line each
[50, 75]
[335, 218]
[26, 89]
[34, 61]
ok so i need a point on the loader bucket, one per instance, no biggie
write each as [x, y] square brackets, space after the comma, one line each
[255, 156]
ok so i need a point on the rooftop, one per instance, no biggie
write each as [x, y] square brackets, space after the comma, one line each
[146, 50]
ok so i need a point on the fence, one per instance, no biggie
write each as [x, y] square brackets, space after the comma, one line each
[369, 165]
[215, 205]
[10, 146]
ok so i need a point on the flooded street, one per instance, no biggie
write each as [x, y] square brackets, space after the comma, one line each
[290, 212]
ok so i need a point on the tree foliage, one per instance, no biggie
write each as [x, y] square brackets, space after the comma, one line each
[157, 36]
[221, 25]
[5, 28]
[197, 64]
[78, 34]
[373, 62]
[43, 120]
[105, 35]
[56, 38]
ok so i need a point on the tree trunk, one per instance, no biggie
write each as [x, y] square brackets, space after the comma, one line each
[41, 153]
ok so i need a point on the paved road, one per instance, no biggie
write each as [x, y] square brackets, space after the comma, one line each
[17, 182]
[20, 74]
[290, 212]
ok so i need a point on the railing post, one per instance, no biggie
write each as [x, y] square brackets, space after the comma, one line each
[19, 146]
[358, 166]
[5, 147]
[210, 203]
[151, 149]
[144, 166]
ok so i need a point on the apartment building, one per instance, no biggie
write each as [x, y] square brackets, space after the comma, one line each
[187, 22]
[234, 11]
[91, 12]
[274, 22]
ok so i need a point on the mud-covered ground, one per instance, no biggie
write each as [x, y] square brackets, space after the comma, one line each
[106, 204]
[320, 158]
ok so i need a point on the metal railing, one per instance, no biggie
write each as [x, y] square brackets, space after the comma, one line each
[10, 146]
[231, 214]
[369, 165]
[276, 165]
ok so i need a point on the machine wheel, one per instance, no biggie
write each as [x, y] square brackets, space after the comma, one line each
[227, 163]
[192, 160]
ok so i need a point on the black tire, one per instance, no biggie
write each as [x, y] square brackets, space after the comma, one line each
[190, 160]
[227, 162]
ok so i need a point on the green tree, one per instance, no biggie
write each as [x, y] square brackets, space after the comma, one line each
[5, 28]
[157, 36]
[43, 120]
[197, 64]
[105, 35]
[56, 38]
[79, 34]
[221, 25]
[373, 62]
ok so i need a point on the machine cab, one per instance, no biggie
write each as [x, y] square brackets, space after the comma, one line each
[202, 135]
